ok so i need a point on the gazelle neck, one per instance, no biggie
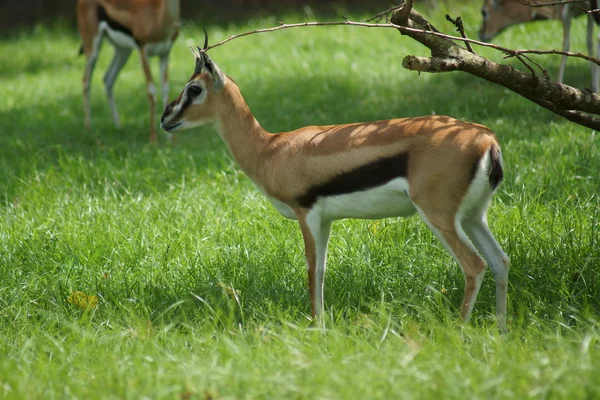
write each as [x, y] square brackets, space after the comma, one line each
[241, 132]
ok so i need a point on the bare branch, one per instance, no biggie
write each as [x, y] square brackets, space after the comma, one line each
[566, 101]
[535, 3]
[404, 12]
[303, 24]
[571, 103]
[378, 17]
[461, 29]
[546, 75]
[404, 29]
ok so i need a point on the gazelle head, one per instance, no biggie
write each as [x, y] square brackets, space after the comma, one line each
[500, 14]
[198, 102]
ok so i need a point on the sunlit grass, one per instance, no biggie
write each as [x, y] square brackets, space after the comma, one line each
[201, 285]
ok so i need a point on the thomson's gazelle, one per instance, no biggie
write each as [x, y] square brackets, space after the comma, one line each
[441, 168]
[148, 26]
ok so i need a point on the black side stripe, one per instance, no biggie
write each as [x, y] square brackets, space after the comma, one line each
[362, 178]
[114, 25]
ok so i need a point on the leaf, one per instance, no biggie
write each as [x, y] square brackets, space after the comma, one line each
[83, 300]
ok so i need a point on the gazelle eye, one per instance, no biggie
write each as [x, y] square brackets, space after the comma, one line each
[194, 90]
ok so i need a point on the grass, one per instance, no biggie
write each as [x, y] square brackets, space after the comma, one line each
[201, 284]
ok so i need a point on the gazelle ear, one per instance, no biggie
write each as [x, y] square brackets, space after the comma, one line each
[213, 69]
[199, 62]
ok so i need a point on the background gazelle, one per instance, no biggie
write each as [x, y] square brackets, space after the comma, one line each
[500, 14]
[444, 169]
[149, 26]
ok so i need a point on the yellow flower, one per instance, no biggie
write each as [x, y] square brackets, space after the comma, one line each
[374, 228]
[82, 300]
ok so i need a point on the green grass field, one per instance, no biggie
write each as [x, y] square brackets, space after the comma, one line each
[201, 285]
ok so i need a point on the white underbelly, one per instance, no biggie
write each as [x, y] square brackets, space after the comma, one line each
[389, 200]
[118, 38]
[124, 40]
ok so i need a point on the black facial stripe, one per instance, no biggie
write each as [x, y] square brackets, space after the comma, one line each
[184, 105]
[114, 25]
[362, 178]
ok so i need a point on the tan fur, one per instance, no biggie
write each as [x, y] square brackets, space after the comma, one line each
[285, 165]
[503, 13]
[442, 154]
[150, 21]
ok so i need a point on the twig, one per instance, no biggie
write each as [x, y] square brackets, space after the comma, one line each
[510, 52]
[461, 29]
[536, 3]
[378, 17]
[522, 59]
[546, 75]
[557, 52]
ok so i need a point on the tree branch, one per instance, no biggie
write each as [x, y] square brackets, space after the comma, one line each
[535, 3]
[430, 31]
[379, 16]
[564, 100]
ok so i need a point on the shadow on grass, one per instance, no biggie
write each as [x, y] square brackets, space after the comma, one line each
[279, 103]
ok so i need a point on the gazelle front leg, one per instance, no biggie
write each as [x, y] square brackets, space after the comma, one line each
[151, 91]
[164, 78]
[90, 64]
[315, 232]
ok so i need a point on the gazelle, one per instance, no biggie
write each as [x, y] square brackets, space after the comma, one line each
[500, 14]
[444, 169]
[148, 26]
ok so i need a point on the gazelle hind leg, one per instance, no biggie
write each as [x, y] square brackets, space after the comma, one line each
[592, 52]
[477, 229]
[471, 264]
[119, 59]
